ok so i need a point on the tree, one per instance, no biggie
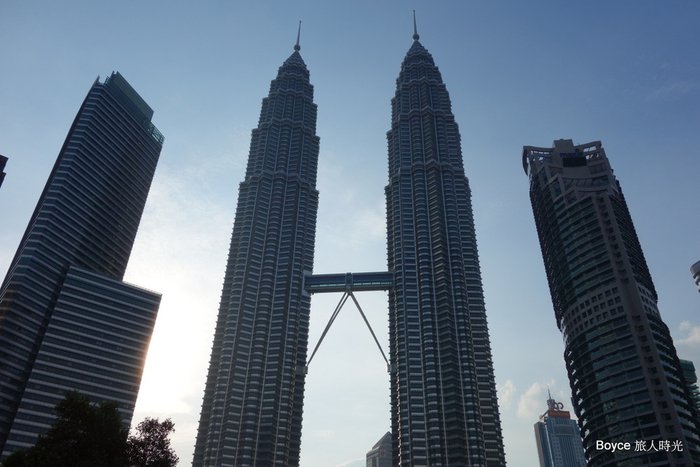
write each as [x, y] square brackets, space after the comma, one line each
[83, 435]
[92, 435]
[150, 447]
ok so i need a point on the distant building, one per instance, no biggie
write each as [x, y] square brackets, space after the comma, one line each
[691, 381]
[622, 364]
[695, 271]
[3, 161]
[558, 438]
[380, 454]
[67, 321]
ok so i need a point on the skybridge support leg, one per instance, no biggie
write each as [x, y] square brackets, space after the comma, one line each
[359, 308]
[338, 307]
[347, 294]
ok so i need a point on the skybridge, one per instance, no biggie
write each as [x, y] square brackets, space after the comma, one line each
[353, 282]
[348, 283]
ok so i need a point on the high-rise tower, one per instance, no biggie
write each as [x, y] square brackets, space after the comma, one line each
[444, 409]
[252, 407]
[558, 438]
[67, 321]
[626, 379]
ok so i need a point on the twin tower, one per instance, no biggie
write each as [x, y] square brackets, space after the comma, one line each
[444, 409]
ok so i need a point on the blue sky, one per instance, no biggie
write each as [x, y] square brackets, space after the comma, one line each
[519, 73]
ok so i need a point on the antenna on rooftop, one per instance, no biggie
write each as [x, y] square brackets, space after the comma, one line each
[415, 28]
[297, 47]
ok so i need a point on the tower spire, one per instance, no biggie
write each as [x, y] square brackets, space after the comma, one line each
[415, 28]
[297, 47]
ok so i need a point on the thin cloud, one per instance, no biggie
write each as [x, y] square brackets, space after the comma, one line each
[674, 90]
[691, 333]
[532, 403]
[506, 392]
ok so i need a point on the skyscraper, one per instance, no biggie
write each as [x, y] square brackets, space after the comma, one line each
[67, 321]
[626, 379]
[558, 438]
[444, 409]
[252, 408]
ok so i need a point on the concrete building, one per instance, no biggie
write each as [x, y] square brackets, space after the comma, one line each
[67, 321]
[626, 379]
[558, 438]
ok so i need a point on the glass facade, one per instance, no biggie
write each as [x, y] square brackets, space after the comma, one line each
[252, 407]
[558, 438]
[95, 342]
[84, 224]
[625, 376]
[444, 409]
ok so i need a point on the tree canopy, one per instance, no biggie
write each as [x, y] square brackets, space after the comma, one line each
[83, 435]
[150, 446]
[92, 435]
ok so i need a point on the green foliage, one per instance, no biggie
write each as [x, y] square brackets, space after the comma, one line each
[84, 435]
[150, 447]
[89, 435]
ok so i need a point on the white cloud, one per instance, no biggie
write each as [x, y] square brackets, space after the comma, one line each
[691, 333]
[506, 391]
[533, 402]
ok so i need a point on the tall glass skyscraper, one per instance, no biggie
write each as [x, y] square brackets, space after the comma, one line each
[67, 321]
[444, 409]
[558, 438]
[252, 407]
[626, 379]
